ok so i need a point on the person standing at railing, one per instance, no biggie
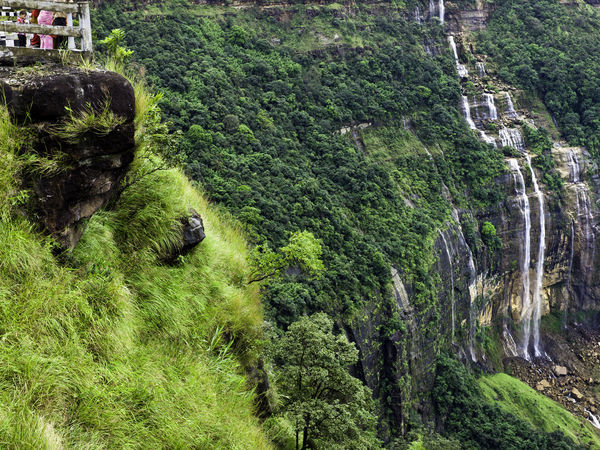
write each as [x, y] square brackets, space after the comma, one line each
[60, 19]
[22, 38]
[35, 40]
[45, 18]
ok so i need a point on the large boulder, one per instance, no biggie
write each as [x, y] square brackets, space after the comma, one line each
[91, 162]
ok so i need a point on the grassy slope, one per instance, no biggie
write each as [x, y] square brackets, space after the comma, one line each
[112, 348]
[519, 399]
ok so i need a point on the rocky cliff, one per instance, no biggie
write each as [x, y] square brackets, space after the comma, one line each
[81, 125]
[493, 303]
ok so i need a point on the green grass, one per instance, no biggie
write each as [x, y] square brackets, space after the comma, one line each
[109, 347]
[519, 399]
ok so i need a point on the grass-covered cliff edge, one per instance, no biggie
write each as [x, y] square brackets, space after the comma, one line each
[109, 346]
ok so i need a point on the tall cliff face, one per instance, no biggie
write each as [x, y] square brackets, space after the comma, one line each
[492, 302]
[81, 125]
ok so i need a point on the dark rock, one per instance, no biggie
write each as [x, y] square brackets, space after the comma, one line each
[193, 231]
[91, 165]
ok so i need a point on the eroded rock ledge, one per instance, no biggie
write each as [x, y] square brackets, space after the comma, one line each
[90, 163]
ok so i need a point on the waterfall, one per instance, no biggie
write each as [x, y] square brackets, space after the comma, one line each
[489, 100]
[511, 346]
[418, 16]
[451, 281]
[585, 218]
[481, 69]
[511, 137]
[593, 419]
[487, 139]
[442, 10]
[523, 202]
[431, 9]
[466, 109]
[574, 169]
[569, 287]
[510, 108]
[537, 293]
[461, 69]
[586, 224]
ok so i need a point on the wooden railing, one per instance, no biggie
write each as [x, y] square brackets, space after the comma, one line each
[80, 10]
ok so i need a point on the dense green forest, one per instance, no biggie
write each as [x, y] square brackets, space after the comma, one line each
[549, 49]
[347, 125]
[261, 113]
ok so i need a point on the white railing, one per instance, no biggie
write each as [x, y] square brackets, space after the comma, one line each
[80, 10]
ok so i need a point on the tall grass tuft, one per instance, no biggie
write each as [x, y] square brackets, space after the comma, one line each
[113, 348]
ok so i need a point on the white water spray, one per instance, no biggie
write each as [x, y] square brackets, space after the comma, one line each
[481, 69]
[537, 293]
[466, 110]
[442, 10]
[510, 108]
[523, 202]
[511, 137]
[489, 101]
[460, 68]
[451, 281]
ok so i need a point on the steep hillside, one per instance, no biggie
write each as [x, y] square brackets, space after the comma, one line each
[111, 345]
[453, 213]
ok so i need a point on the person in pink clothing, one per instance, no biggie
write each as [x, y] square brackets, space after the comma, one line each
[45, 18]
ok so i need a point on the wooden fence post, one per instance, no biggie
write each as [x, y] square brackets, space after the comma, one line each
[86, 27]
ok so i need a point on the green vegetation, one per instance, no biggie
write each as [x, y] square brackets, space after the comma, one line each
[538, 410]
[549, 48]
[326, 405]
[109, 347]
[467, 414]
[261, 113]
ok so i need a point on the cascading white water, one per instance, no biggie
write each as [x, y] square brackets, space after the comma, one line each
[586, 224]
[449, 255]
[473, 305]
[510, 108]
[461, 69]
[509, 342]
[537, 293]
[466, 110]
[511, 137]
[442, 10]
[418, 16]
[571, 254]
[431, 9]
[585, 218]
[593, 419]
[489, 101]
[574, 169]
[487, 139]
[481, 69]
[523, 202]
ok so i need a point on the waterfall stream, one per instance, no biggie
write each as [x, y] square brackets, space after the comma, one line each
[442, 10]
[481, 70]
[466, 109]
[593, 419]
[584, 216]
[511, 137]
[489, 101]
[451, 281]
[460, 68]
[537, 293]
[510, 108]
[524, 208]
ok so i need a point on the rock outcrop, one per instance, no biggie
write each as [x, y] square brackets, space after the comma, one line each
[88, 159]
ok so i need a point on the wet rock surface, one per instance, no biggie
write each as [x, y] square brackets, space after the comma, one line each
[577, 386]
[89, 163]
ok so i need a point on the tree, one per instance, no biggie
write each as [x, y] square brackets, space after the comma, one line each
[324, 403]
[302, 251]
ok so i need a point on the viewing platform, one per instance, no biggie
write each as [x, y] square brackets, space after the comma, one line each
[77, 31]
